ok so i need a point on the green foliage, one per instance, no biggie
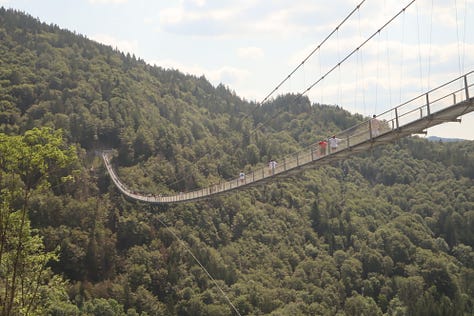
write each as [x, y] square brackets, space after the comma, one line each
[29, 165]
[103, 307]
[385, 232]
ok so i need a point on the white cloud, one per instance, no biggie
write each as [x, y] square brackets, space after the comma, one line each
[229, 75]
[199, 3]
[300, 18]
[180, 14]
[252, 18]
[250, 52]
[247, 18]
[226, 75]
[201, 22]
[107, 1]
[122, 45]
[148, 20]
[171, 16]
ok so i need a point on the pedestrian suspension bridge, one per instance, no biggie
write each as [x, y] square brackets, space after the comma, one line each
[446, 103]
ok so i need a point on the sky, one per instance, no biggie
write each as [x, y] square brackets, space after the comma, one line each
[251, 46]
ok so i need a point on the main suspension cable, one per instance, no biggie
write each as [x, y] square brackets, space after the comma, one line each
[301, 94]
[336, 29]
[355, 50]
[311, 54]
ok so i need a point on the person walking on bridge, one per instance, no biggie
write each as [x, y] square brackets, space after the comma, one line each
[272, 165]
[242, 177]
[322, 147]
[333, 143]
[374, 126]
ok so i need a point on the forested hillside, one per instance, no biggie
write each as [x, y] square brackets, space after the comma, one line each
[389, 232]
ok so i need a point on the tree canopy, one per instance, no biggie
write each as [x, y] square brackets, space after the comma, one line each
[388, 232]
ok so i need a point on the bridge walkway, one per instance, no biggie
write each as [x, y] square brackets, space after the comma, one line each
[446, 103]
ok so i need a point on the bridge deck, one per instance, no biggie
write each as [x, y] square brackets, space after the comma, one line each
[444, 104]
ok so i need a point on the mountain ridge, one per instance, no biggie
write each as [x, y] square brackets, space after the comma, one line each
[445, 139]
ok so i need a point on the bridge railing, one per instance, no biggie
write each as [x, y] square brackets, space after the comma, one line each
[452, 92]
[435, 100]
[288, 163]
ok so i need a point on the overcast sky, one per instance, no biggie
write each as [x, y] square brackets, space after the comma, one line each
[251, 46]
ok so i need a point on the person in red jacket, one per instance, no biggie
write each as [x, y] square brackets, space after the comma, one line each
[322, 147]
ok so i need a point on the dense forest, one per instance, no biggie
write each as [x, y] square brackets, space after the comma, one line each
[388, 232]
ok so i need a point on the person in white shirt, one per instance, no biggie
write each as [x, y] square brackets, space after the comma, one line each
[333, 143]
[242, 177]
[272, 165]
[375, 126]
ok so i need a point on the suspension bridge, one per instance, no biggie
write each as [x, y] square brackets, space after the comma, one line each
[446, 103]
